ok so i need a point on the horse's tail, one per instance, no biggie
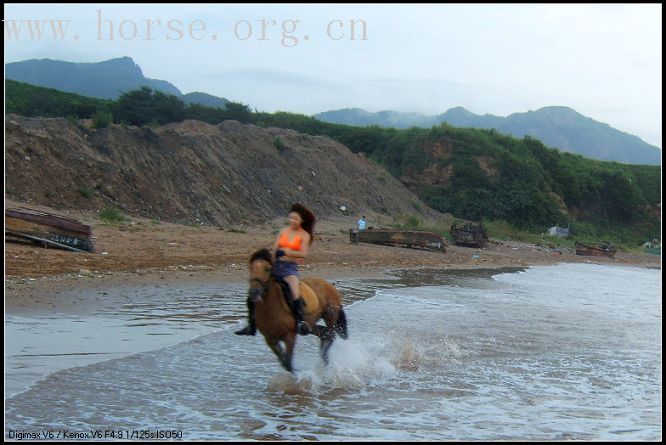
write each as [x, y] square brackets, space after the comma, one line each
[341, 325]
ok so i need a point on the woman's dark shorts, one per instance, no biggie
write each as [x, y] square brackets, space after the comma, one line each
[282, 269]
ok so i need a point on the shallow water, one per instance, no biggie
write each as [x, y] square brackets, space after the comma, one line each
[571, 351]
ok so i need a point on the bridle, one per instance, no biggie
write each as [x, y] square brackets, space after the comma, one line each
[260, 284]
[258, 288]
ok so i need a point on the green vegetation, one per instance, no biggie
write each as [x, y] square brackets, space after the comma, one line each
[623, 238]
[29, 100]
[556, 126]
[409, 221]
[102, 118]
[144, 106]
[611, 197]
[85, 192]
[138, 107]
[279, 144]
[517, 185]
[111, 215]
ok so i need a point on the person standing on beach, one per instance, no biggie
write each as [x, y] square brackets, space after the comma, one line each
[290, 248]
[361, 223]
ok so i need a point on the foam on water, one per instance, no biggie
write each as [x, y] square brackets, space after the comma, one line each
[553, 353]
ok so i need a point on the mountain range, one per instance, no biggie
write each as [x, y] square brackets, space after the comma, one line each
[556, 126]
[559, 127]
[104, 80]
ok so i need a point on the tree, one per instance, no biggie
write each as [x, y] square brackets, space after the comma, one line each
[140, 107]
[623, 200]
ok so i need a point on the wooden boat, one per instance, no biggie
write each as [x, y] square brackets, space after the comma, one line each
[48, 230]
[469, 235]
[399, 237]
[601, 249]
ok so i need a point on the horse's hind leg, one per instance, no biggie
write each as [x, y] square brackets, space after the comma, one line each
[326, 337]
[326, 343]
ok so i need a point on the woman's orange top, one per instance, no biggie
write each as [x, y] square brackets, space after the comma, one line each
[294, 244]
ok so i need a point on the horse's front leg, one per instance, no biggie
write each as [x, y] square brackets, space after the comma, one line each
[284, 353]
[288, 353]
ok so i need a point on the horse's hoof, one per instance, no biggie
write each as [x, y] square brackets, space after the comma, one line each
[246, 331]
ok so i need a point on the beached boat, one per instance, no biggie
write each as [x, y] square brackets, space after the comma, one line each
[469, 235]
[47, 229]
[399, 237]
[600, 249]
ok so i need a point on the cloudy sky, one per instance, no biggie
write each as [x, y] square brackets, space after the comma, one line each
[602, 60]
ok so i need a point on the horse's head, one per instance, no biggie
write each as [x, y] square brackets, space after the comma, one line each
[261, 264]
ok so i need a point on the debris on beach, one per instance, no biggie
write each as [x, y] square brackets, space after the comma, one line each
[47, 229]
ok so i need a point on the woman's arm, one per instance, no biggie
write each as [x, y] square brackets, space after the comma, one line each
[299, 254]
[276, 244]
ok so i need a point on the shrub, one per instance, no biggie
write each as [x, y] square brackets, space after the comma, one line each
[111, 215]
[102, 119]
[85, 192]
[279, 144]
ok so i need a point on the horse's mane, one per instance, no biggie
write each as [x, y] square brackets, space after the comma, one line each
[262, 254]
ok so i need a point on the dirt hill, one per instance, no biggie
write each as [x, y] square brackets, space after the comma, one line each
[193, 172]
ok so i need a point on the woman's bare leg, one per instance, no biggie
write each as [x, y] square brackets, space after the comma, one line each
[292, 280]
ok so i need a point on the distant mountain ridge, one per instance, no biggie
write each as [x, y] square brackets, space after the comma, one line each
[104, 80]
[559, 127]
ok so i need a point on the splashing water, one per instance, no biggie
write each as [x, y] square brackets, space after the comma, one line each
[571, 351]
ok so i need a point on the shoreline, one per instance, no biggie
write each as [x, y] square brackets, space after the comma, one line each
[141, 252]
[70, 293]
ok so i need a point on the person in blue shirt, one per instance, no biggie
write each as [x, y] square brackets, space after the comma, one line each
[361, 223]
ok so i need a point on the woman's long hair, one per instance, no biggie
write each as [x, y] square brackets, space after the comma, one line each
[308, 219]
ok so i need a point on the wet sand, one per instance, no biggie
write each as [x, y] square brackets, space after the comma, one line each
[143, 252]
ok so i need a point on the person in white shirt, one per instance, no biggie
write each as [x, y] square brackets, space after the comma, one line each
[361, 223]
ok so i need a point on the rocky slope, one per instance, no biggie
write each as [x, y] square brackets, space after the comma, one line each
[193, 172]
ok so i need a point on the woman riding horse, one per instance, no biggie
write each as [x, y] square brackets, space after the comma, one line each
[274, 317]
[291, 248]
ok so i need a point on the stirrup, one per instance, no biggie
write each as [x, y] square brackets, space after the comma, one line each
[247, 330]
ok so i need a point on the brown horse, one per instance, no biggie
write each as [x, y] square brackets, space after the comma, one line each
[274, 318]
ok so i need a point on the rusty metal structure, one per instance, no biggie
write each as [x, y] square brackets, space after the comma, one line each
[469, 235]
[48, 229]
[603, 248]
[399, 237]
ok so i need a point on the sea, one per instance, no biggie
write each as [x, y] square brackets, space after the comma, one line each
[561, 352]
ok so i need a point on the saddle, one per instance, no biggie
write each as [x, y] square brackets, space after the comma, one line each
[311, 303]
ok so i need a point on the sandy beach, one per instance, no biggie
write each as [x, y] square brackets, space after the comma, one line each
[143, 252]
